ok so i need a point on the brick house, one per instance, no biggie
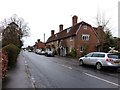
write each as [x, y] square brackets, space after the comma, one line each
[80, 36]
[39, 45]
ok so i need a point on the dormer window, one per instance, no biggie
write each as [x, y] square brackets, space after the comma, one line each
[68, 30]
[85, 27]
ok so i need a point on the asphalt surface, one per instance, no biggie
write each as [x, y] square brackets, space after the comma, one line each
[39, 71]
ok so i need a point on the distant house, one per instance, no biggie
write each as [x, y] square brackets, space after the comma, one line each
[80, 36]
[101, 36]
[39, 45]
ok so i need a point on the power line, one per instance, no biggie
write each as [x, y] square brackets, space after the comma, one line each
[111, 8]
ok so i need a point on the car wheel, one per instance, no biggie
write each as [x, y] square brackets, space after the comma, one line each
[80, 62]
[45, 54]
[98, 66]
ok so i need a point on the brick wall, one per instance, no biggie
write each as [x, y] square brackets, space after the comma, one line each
[90, 45]
[70, 43]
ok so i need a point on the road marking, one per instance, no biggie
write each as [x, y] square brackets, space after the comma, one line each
[32, 79]
[101, 79]
[25, 63]
[66, 66]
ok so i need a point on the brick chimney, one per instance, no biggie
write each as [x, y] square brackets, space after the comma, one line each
[52, 32]
[60, 27]
[100, 27]
[38, 40]
[74, 20]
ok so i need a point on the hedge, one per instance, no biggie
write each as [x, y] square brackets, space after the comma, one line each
[12, 52]
[73, 52]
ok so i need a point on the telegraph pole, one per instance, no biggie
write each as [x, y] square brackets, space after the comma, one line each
[119, 26]
[44, 37]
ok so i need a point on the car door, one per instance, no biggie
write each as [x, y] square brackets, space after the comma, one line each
[94, 58]
[86, 59]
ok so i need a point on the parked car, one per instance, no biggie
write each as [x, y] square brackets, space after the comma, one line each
[101, 59]
[42, 53]
[49, 53]
[38, 51]
[29, 50]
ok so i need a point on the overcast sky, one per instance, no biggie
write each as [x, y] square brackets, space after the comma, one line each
[43, 16]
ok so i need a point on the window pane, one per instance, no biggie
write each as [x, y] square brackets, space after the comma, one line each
[95, 55]
[84, 26]
[81, 48]
[101, 55]
[115, 56]
[85, 37]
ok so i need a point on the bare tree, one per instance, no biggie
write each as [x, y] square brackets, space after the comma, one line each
[14, 26]
[23, 26]
[4, 23]
[101, 20]
[108, 40]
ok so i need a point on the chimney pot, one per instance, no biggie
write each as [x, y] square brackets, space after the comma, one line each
[74, 20]
[60, 27]
[100, 27]
[38, 40]
[52, 32]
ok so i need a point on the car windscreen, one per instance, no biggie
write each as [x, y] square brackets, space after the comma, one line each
[89, 55]
[114, 56]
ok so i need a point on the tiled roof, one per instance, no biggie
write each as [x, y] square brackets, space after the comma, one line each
[71, 31]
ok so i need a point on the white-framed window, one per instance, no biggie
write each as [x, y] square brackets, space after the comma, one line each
[85, 37]
[52, 43]
[70, 49]
[57, 42]
[71, 38]
[85, 27]
[55, 35]
[82, 48]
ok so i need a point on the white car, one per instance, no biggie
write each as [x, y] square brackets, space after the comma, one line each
[42, 53]
[38, 51]
[49, 53]
[101, 59]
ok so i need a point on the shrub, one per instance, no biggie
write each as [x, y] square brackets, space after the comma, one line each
[13, 52]
[73, 52]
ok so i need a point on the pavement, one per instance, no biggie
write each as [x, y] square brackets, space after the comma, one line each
[17, 77]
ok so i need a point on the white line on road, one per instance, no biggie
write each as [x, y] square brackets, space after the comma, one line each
[66, 66]
[102, 79]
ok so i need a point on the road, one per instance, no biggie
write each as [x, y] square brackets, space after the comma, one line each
[62, 72]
